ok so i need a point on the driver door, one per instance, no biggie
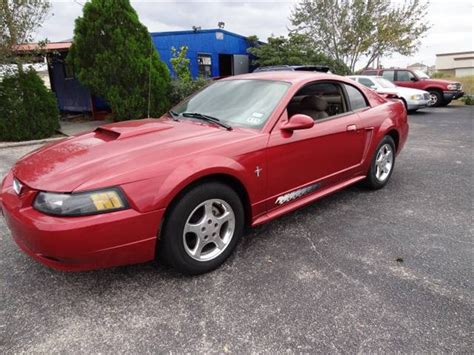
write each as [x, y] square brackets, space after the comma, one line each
[304, 161]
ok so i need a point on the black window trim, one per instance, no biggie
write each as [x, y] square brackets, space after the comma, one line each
[396, 74]
[345, 97]
[348, 101]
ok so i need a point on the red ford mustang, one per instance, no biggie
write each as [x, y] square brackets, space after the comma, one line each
[242, 151]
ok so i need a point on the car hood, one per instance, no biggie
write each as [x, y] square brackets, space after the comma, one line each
[120, 153]
[439, 81]
[403, 91]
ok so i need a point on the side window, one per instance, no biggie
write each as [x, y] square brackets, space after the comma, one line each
[404, 75]
[318, 100]
[366, 82]
[389, 75]
[356, 98]
[204, 65]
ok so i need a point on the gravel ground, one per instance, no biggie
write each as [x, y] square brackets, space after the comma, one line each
[322, 279]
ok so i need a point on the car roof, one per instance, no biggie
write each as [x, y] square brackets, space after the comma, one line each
[293, 77]
[365, 76]
[306, 67]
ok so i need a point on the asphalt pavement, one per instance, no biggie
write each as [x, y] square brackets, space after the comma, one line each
[358, 271]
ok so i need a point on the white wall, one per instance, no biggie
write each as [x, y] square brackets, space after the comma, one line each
[464, 72]
[462, 62]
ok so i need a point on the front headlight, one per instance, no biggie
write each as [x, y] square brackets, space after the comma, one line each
[416, 97]
[453, 86]
[81, 203]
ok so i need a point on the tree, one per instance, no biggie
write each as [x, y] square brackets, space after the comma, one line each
[19, 20]
[294, 50]
[183, 84]
[180, 63]
[349, 30]
[113, 55]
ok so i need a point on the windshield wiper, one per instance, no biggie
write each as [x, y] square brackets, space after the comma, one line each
[173, 115]
[208, 118]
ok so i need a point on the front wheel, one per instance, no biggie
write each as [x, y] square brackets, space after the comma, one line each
[382, 164]
[202, 228]
[436, 98]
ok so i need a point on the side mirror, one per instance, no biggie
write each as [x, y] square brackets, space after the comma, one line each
[414, 78]
[297, 122]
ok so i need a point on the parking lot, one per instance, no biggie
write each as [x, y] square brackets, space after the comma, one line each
[358, 271]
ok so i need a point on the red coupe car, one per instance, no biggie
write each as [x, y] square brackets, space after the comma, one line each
[242, 151]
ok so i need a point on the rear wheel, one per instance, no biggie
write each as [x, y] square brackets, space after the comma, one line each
[382, 164]
[436, 98]
[202, 228]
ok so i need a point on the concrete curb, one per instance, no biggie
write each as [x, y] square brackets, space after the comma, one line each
[25, 143]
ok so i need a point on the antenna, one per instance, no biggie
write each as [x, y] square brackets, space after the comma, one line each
[149, 78]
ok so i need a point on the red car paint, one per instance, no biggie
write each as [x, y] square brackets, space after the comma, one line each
[153, 160]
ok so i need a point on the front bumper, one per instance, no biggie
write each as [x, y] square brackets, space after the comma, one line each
[417, 104]
[81, 243]
[452, 95]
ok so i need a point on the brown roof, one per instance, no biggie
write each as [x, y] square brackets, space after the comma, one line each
[50, 47]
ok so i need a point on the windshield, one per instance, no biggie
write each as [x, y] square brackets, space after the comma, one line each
[421, 74]
[384, 83]
[245, 103]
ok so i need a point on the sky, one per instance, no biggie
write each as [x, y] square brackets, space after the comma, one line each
[451, 22]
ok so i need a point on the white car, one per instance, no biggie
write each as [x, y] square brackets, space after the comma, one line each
[413, 99]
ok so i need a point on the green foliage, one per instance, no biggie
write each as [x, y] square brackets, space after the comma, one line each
[438, 75]
[468, 100]
[349, 30]
[113, 55]
[180, 89]
[183, 85]
[19, 20]
[294, 50]
[180, 63]
[28, 109]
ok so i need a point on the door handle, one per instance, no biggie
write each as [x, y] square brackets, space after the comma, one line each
[351, 128]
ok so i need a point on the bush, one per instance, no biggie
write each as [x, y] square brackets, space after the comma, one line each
[468, 100]
[438, 75]
[180, 89]
[28, 110]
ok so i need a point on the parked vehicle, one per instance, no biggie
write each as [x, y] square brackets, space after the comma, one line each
[442, 91]
[317, 68]
[413, 99]
[243, 151]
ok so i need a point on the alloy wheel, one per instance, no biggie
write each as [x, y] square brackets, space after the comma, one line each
[209, 230]
[384, 162]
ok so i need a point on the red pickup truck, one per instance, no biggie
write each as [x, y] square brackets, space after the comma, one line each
[442, 91]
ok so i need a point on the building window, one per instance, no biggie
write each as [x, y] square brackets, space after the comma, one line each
[68, 71]
[204, 65]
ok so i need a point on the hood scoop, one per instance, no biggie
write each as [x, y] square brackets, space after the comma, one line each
[115, 132]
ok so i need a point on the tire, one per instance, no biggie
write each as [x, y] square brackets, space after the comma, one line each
[202, 228]
[445, 103]
[375, 179]
[436, 98]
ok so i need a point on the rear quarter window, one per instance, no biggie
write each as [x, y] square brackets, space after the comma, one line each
[356, 99]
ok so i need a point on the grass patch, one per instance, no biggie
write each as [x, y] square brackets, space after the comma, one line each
[467, 83]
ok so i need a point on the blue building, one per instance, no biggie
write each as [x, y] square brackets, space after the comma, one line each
[213, 53]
